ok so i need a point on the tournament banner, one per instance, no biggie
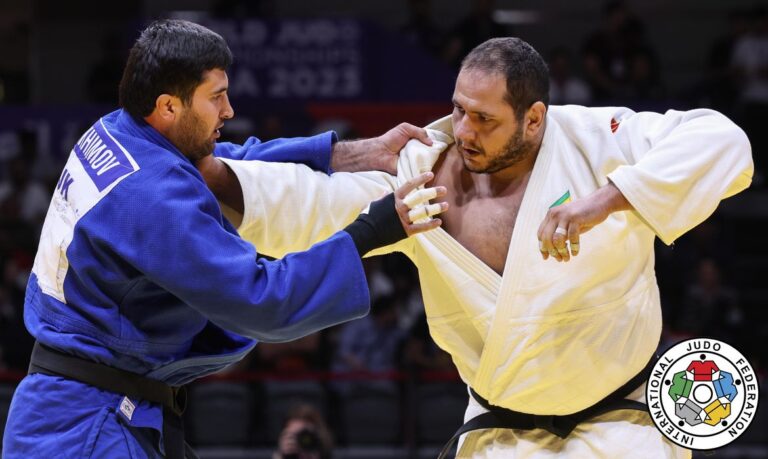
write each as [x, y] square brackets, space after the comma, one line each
[304, 60]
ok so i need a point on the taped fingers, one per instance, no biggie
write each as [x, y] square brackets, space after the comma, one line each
[417, 197]
[575, 248]
[412, 184]
[573, 238]
[424, 212]
[559, 243]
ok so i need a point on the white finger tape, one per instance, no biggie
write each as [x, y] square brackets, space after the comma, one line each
[561, 230]
[416, 197]
[417, 214]
[433, 209]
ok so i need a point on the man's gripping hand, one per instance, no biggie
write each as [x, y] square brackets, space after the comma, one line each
[559, 232]
[403, 213]
[378, 153]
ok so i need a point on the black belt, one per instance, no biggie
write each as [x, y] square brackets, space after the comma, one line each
[173, 398]
[502, 418]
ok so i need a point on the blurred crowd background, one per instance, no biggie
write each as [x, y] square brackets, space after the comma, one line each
[378, 386]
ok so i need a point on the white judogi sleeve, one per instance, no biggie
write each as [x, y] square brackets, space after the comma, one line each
[289, 207]
[681, 165]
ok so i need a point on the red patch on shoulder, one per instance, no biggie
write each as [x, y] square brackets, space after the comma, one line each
[614, 124]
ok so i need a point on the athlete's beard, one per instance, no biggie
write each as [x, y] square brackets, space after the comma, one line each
[514, 151]
[193, 138]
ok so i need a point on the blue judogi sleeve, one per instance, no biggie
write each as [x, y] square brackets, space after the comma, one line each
[174, 236]
[314, 151]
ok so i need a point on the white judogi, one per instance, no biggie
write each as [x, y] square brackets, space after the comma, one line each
[547, 337]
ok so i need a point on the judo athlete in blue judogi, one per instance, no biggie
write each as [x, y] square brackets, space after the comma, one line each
[140, 285]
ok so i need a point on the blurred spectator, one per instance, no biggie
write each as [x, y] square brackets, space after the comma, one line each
[710, 239]
[676, 264]
[750, 63]
[369, 344]
[7, 314]
[104, 77]
[16, 51]
[379, 283]
[709, 307]
[608, 52]
[15, 272]
[272, 127]
[305, 435]
[238, 130]
[10, 146]
[750, 59]
[22, 197]
[23, 204]
[404, 282]
[15, 342]
[564, 87]
[420, 351]
[45, 168]
[420, 30]
[304, 354]
[644, 85]
[477, 27]
[720, 87]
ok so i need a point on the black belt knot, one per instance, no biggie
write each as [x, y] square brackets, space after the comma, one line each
[561, 426]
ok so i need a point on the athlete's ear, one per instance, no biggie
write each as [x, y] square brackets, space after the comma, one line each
[534, 119]
[167, 107]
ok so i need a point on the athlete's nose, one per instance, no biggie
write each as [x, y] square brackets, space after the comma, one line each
[228, 112]
[462, 130]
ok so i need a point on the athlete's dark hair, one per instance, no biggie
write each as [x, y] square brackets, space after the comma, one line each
[170, 57]
[526, 72]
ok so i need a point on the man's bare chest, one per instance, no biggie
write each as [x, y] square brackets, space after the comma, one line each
[483, 226]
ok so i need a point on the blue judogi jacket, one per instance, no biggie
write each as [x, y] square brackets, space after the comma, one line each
[138, 269]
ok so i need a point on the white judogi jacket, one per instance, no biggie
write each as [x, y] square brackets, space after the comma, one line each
[546, 337]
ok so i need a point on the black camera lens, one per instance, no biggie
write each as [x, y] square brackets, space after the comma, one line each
[308, 440]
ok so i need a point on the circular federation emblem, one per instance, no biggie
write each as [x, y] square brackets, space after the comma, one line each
[702, 394]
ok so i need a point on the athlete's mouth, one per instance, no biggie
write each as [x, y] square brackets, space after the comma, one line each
[468, 151]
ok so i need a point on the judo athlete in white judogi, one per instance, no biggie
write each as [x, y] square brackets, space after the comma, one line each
[540, 283]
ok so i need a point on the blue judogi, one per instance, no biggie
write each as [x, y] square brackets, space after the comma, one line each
[137, 269]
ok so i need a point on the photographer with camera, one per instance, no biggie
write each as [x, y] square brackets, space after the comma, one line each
[305, 435]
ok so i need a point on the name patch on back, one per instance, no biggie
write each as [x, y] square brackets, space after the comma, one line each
[101, 157]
